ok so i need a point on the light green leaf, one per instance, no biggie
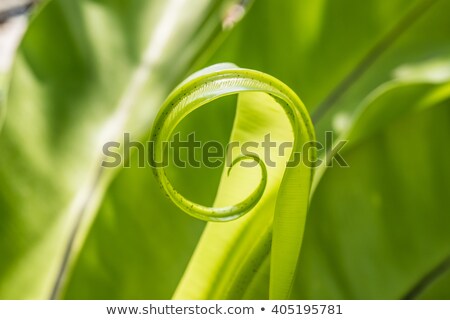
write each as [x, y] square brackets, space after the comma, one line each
[222, 245]
[91, 70]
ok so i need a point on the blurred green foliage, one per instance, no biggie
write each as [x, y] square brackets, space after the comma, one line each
[375, 71]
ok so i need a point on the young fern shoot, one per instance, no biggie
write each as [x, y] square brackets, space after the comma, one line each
[226, 79]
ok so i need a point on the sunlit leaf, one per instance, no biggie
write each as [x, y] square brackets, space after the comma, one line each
[86, 72]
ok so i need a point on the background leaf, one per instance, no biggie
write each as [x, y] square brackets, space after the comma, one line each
[368, 240]
[91, 70]
[376, 230]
